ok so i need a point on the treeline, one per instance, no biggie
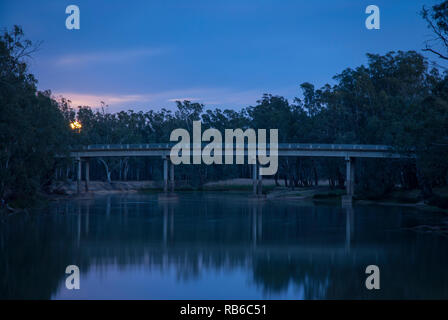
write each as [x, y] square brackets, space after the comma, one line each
[395, 99]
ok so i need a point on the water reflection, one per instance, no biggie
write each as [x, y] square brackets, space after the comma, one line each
[349, 226]
[220, 246]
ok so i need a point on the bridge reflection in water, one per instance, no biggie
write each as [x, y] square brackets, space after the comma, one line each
[220, 246]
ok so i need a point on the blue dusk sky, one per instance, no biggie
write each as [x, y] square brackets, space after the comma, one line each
[147, 54]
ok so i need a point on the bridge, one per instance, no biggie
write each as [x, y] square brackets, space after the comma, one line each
[347, 151]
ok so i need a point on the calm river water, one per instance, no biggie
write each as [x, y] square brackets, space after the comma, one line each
[220, 246]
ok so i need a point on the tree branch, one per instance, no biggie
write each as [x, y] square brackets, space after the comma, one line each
[437, 53]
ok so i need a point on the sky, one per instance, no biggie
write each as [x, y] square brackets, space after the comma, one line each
[146, 54]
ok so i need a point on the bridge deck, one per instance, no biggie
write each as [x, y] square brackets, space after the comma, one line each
[284, 149]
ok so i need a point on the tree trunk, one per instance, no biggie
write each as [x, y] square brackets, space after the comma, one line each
[106, 167]
[316, 177]
[276, 179]
[425, 185]
[126, 170]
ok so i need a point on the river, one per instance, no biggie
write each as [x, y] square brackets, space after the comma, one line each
[220, 246]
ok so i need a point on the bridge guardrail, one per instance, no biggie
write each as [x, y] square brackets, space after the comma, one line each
[143, 146]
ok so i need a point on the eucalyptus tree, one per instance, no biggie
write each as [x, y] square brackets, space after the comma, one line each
[32, 127]
[437, 19]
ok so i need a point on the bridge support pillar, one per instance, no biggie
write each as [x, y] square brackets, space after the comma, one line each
[255, 178]
[350, 177]
[87, 162]
[259, 183]
[165, 174]
[171, 177]
[78, 176]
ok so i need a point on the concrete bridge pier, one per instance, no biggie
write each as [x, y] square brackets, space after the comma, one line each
[350, 180]
[78, 175]
[87, 168]
[165, 174]
[256, 180]
[168, 181]
[168, 173]
[171, 177]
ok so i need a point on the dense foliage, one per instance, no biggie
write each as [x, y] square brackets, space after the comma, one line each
[32, 128]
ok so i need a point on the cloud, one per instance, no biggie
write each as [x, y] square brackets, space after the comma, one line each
[211, 97]
[94, 100]
[107, 56]
[122, 101]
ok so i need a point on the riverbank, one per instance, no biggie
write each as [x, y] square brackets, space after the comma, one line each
[273, 191]
[101, 187]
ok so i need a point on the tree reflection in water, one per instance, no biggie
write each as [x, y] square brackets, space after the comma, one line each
[280, 249]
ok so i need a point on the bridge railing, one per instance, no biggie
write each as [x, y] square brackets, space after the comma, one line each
[292, 146]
